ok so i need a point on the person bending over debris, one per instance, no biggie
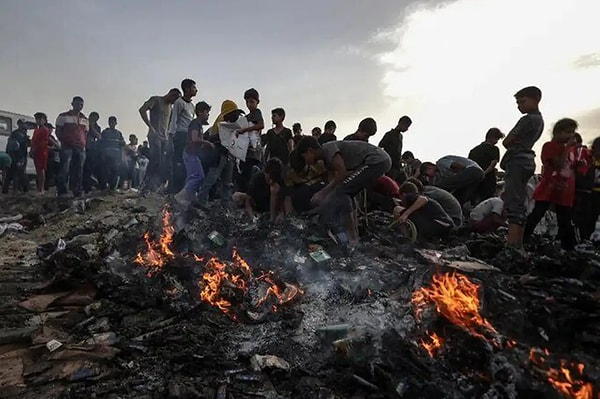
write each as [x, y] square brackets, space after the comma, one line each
[460, 176]
[557, 186]
[488, 216]
[447, 201]
[302, 182]
[355, 165]
[428, 216]
[265, 192]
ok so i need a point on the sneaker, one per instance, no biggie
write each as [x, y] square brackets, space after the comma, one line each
[182, 199]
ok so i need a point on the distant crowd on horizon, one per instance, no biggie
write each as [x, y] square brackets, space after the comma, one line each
[281, 172]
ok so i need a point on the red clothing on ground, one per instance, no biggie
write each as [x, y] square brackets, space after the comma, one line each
[386, 186]
[557, 185]
[39, 147]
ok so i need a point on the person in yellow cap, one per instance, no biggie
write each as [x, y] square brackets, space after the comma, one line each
[219, 164]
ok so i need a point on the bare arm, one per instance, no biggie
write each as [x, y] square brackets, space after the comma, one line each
[290, 144]
[257, 127]
[490, 168]
[418, 204]
[274, 208]
[339, 173]
[144, 114]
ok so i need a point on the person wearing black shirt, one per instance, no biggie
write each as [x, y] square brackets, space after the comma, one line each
[329, 133]
[392, 144]
[297, 131]
[279, 140]
[487, 156]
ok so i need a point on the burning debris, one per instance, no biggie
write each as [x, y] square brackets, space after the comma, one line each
[217, 322]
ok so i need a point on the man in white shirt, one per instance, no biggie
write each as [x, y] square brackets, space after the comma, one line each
[181, 115]
[488, 216]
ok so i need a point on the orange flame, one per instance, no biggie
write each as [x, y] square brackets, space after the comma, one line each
[434, 344]
[237, 274]
[566, 379]
[158, 252]
[456, 298]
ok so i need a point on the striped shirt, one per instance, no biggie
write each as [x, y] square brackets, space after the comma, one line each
[71, 128]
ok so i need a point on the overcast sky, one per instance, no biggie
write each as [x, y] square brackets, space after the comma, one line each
[452, 66]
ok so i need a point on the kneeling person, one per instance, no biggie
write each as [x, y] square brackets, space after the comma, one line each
[427, 214]
[355, 166]
[488, 216]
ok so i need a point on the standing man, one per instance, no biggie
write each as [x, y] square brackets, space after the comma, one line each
[297, 131]
[92, 155]
[71, 130]
[181, 115]
[487, 156]
[392, 144]
[159, 110]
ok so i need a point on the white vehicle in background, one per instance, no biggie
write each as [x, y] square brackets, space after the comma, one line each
[8, 123]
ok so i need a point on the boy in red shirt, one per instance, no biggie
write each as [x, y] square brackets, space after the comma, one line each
[39, 149]
[557, 186]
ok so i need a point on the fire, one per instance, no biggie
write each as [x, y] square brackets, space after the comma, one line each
[222, 281]
[456, 298]
[434, 344]
[158, 252]
[566, 378]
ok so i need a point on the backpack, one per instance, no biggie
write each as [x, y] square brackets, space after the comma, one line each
[12, 145]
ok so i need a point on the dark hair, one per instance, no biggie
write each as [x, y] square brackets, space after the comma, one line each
[330, 125]
[251, 93]
[316, 128]
[408, 154]
[529, 92]
[307, 143]
[425, 165]
[368, 125]
[405, 119]
[274, 169]
[596, 144]
[296, 126]
[408, 188]
[186, 84]
[112, 118]
[495, 133]
[132, 136]
[40, 115]
[578, 138]
[94, 113]
[564, 124]
[416, 182]
[77, 98]
[175, 90]
[279, 111]
[202, 106]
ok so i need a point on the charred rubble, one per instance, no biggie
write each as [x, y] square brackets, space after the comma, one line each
[197, 304]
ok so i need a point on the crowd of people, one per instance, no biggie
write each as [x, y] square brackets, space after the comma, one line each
[282, 172]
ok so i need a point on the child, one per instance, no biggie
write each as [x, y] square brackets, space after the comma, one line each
[519, 161]
[16, 147]
[265, 192]
[328, 133]
[39, 149]
[446, 200]
[302, 182]
[488, 216]
[279, 140]
[584, 183]
[428, 216]
[411, 164]
[595, 171]
[316, 132]
[111, 146]
[557, 186]
[366, 128]
[487, 156]
[254, 154]
[392, 144]
[191, 153]
[355, 165]
[460, 176]
[297, 130]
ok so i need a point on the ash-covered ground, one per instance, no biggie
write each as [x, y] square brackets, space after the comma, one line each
[351, 333]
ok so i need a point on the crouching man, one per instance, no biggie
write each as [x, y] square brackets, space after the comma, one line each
[354, 166]
[488, 216]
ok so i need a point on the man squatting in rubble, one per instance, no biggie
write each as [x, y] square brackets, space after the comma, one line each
[355, 165]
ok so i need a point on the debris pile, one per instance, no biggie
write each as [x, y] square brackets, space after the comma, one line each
[205, 304]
